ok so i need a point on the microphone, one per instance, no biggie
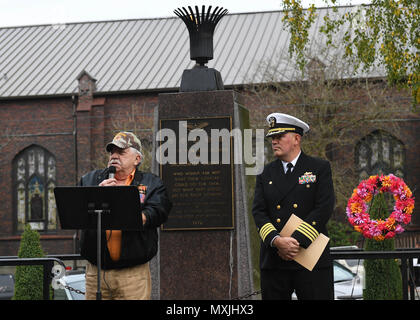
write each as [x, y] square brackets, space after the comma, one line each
[111, 172]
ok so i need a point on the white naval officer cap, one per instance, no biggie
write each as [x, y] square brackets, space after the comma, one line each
[280, 123]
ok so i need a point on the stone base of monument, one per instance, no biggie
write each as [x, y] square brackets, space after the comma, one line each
[204, 247]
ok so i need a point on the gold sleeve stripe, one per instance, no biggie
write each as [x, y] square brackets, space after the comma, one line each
[266, 229]
[308, 231]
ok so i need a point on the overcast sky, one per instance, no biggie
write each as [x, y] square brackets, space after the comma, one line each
[33, 12]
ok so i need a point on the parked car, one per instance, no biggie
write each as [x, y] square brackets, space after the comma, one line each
[356, 266]
[75, 281]
[347, 285]
[7, 286]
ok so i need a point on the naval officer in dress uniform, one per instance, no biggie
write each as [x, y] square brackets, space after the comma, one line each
[295, 183]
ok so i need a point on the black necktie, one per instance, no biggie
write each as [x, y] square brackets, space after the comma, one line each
[289, 169]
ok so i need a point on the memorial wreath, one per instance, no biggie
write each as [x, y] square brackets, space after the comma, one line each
[380, 229]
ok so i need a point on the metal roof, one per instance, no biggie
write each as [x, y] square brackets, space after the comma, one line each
[143, 54]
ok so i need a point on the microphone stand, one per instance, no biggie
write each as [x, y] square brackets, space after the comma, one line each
[99, 212]
[105, 209]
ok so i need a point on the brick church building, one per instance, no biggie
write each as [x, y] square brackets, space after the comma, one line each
[66, 89]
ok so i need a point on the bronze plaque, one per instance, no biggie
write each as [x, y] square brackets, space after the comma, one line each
[199, 180]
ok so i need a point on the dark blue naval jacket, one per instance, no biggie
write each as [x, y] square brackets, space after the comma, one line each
[308, 193]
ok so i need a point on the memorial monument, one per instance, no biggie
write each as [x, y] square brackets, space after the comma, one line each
[204, 250]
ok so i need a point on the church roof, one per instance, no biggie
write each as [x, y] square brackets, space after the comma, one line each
[146, 54]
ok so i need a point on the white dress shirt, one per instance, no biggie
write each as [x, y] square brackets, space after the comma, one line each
[292, 162]
[285, 163]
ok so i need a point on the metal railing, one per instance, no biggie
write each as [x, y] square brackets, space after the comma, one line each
[406, 257]
[47, 263]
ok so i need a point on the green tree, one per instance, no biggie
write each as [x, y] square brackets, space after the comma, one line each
[385, 33]
[336, 117]
[29, 279]
[383, 276]
[341, 234]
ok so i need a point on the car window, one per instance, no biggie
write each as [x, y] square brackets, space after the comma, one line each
[341, 274]
[79, 285]
[6, 286]
[354, 262]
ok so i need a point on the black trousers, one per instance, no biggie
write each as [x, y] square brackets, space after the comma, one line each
[309, 285]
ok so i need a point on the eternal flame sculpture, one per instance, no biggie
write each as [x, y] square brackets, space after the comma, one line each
[201, 28]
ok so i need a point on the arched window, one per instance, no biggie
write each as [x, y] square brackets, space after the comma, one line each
[380, 153]
[34, 179]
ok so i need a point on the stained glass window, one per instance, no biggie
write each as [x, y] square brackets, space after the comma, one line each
[380, 153]
[34, 176]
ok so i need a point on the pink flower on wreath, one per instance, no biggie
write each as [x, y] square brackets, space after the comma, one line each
[399, 229]
[390, 235]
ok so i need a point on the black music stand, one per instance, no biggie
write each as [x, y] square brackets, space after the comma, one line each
[114, 208]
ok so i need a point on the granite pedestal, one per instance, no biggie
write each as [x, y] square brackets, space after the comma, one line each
[211, 260]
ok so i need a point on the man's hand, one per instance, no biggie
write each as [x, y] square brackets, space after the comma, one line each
[108, 182]
[287, 247]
